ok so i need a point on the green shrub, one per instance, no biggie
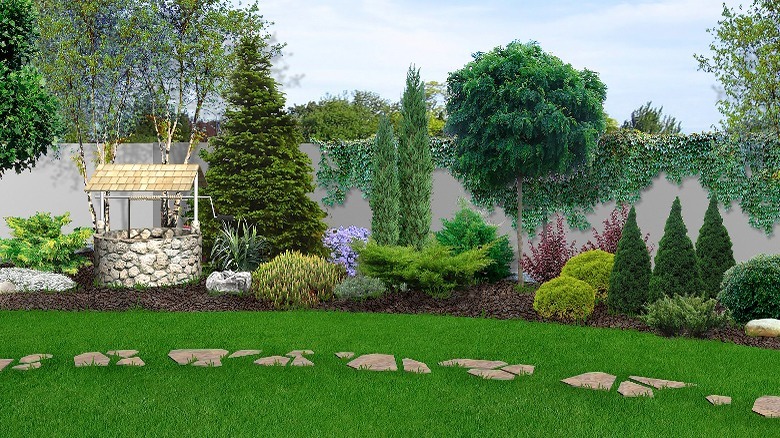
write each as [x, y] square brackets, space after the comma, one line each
[294, 280]
[689, 315]
[38, 243]
[360, 287]
[239, 250]
[630, 279]
[713, 249]
[432, 270]
[751, 290]
[566, 298]
[468, 230]
[676, 269]
[593, 267]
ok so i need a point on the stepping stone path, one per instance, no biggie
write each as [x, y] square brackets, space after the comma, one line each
[473, 363]
[519, 370]
[29, 362]
[374, 362]
[242, 353]
[273, 361]
[660, 383]
[131, 361]
[413, 366]
[123, 353]
[199, 357]
[594, 380]
[4, 363]
[768, 406]
[35, 358]
[718, 400]
[296, 353]
[94, 358]
[631, 389]
[27, 366]
[345, 355]
[491, 374]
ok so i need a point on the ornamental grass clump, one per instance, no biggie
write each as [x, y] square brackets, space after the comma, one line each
[751, 289]
[593, 267]
[294, 280]
[339, 241]
[565, 298]
[239, 248]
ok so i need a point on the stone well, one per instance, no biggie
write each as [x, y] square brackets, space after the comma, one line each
[148, 257]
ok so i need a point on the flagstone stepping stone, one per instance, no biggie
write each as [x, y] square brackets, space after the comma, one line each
[4, 363]
[300, 361]
[35, 358]
[27, 366]
[593, 380]
[345, 355]
[491, 374]
[93, 358]
[123, 353]
[631, 389]
[519, 370]
[474, 363]
[374, 362]
[273, 361]
[295, 353]
[659, 383]
[131, 361]
[242, 353]
[768, 406]
[207, 363]
[719, 400]
[413, 366]
[187, 356]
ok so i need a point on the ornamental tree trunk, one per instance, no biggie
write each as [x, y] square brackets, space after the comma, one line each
[520, 277]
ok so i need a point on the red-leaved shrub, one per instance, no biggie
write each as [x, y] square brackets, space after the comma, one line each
[613, 229]
[548, 257]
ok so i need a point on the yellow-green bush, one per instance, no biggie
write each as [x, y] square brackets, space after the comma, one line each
[292, 280]
[593, 267]
[565, 297]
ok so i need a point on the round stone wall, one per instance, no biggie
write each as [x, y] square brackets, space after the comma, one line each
[148, 257]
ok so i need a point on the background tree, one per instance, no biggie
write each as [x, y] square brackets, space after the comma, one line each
[629, 282]
[384, 200]
[29, 122]
[651, 120]
[435, 102]
[256, 170]
[518, 112]
[746, 61]
[713, 250]
[676, 270]
[415, 164]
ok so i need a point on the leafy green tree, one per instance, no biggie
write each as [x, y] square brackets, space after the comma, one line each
[256, 170]
[384, 200]
[518, 112]
[676, 269]
[713, 250]
[629, 282]
[415, 164]
[435, 101]
[29, 122]
[651, 120]
[746, 62]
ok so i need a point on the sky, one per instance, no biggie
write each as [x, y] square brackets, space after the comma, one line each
[642, 49]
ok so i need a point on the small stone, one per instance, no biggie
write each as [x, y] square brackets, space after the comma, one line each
[593, 380]
[187, 356]
[27, 366]
[768, 406]
[132, 272]
[157, 232]
[519, 370]
[300, 361]
[413, 366]
[91, 359]
[168, 234]
[295, 353]
[35, 358]
[374, 362]
[491, 374]
[345, 355]
[4, 363]
[763, 327]
[138, 247]
[473, 363]
[242, 353]
[631, 389]
[718, 400]
[123, 353]
[145, 234]
[133, 234]
[229, 281]
[131, 361]
[660, 383]
[273, 361]
[6, 287]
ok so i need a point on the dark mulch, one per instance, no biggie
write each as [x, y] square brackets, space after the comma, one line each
[498, 300]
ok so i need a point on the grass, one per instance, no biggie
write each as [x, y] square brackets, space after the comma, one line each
[330, 399]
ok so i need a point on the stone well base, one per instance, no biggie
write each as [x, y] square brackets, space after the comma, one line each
[149, 257]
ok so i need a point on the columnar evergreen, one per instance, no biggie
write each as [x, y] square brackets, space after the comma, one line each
[384, 200]
[256, 170]
[713, 250]
[676, 269]
[629, 282]
[415, 164]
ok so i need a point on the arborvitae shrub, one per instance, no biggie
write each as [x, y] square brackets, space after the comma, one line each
[550, 255]
[751, 290]
[613, 229]
[713, 250]
[294, 280]
[468, 230]
[593, 267]
[676, 269]
[630, 279]
[566, 298]
[384, 199]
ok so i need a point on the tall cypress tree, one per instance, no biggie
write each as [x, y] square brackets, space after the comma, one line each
[676, 269]
[384, 200]
[713, 250]
[629, 283]
[415, 164]
[256, 170]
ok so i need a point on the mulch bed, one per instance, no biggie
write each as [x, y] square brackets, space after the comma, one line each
[498, 300]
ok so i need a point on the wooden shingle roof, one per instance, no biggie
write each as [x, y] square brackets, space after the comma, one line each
[145, 178]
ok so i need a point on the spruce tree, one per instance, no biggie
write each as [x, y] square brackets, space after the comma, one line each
[676, 269]
[713, 250]
[415, 164]
[384, 200]
[256, 170]
[629, 282]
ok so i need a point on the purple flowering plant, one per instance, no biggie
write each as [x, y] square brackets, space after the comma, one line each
[339, 241]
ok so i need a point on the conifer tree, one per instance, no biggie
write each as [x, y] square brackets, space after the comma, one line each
[256, 170]
[384, 200]
[713, 250]
[629, 282]
[415, 164]
[676, 269]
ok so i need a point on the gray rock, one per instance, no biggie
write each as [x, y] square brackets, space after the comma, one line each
[229, 281]
[32, 280]
[7, 287]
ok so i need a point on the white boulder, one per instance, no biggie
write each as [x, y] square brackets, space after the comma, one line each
[32, 280]
[6, 287]
[229, 281]
[763, 327]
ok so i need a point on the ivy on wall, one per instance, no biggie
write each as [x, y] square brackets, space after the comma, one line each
[744, 170]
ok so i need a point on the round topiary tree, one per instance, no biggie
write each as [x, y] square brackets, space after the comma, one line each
[751, 290]
[713, 250]
[593, 267]
[566, 298]
[629, 283]
[676, 269]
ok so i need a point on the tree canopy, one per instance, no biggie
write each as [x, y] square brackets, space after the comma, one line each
[651, 120]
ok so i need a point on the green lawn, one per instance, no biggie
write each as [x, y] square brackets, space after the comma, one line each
[243, 399]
